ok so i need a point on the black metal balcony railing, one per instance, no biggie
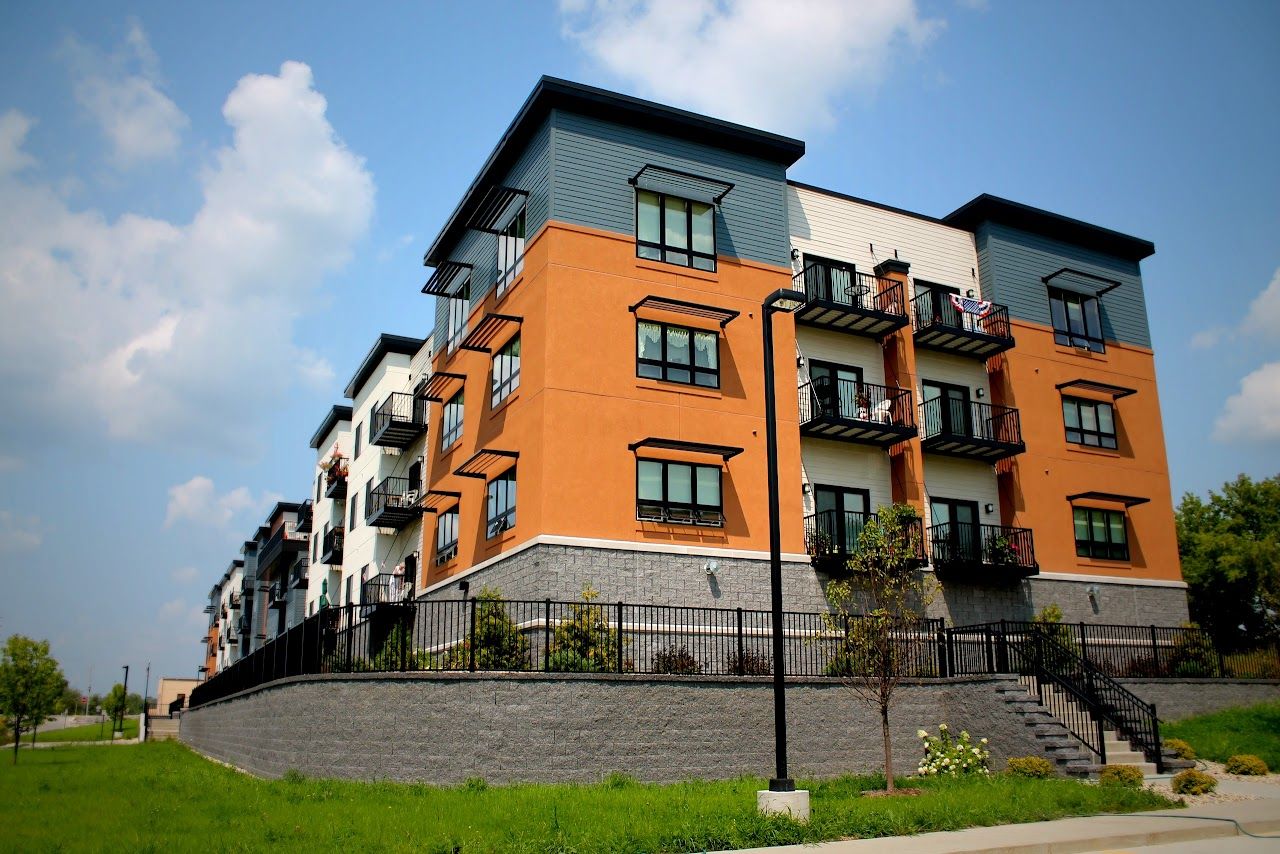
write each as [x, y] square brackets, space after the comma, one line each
[398, 421]
[247, 587]
[838, 297]
[242, 625]
[831, 538]
[304, 518]
[394, 503]
[939, 325]
[854, 411]
[959, 428]
[298, 573]
[331, 547]
[969, 551]
[235, 601]
[335, 486]
[387, 588]
[277, 595]
[284, 540]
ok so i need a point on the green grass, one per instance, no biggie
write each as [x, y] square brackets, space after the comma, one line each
[162, 797]
[1253, 729]
[88, 732]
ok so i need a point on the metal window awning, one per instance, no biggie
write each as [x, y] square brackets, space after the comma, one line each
[490, 213]
[482, 461]
[436, 385]
[488, 329]
[437, 500]
[1094, 286]
[725, 452]
[721, 316]
[1116, 391]
[1108, 497]
[441, 282]
[686, 185]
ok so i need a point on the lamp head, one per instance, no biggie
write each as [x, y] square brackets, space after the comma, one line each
[785, 299]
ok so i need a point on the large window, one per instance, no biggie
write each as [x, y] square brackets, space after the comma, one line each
[1077, 320]
[506, 371]
[683, 493]
[356, 453]
[510, 253]
[459, 306]
[355, 505]
[446, 536]
[1089, 422]
[675, 230]
[1101, 534]
[451, 420]
[500, 497]
[677, 354]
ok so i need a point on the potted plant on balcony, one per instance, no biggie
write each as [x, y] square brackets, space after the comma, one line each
[1002, 550]
[335, 468]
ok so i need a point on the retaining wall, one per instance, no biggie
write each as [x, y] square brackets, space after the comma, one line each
[1176, 699]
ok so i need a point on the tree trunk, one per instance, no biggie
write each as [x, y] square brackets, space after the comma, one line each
[17, 738]
[888, 746]
[34, 728]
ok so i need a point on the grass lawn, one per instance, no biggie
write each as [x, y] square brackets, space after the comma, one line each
[161, 796]
[88, 732]
[1254, 729]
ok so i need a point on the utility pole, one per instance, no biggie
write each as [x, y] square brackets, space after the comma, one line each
[124, 704]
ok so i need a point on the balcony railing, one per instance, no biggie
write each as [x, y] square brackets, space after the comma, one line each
[387, 588]
[840, 298]
[335, 486]
[940, 325]
[331, 547]
[854, 411]
[394, 503]
[831, 538]
[304, 518]
[298, 573]
[398, 421]
[247, 587]
[981, 431]
[283, 540]
[991, 553]
[277, 595]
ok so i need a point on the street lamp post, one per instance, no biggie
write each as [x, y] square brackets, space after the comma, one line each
[124, 705]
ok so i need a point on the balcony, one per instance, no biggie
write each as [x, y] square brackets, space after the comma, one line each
[851, 411]
[284, 542]
[247, 586]
[235, 601]
[386, 589]
[831, 538]
[298, 574]
[941, 325]
[277, 595]
[841, 299]
[335, 485]
[398, 421]
[964, 551]
[242, 625]
[331, 547]
[978, 431]
[393, 504]
[304, 518]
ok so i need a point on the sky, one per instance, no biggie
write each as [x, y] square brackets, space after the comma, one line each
[208, 212]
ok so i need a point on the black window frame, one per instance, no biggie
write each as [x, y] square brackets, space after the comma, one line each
[1084, 434]
[506, 277]
[451, 435]
[447, 551]
[662, 248]
[692, 512]
[355, 454]
[504, 387]
[666, 367]
[497, 520]
[1101, 549]
[1094, 343]
[453, 337]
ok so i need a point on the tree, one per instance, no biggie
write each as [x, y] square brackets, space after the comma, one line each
[885, 576]
[115, 703]
[30, 684]
[1230, 549]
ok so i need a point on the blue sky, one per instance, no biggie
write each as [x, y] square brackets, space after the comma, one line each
[207, 214]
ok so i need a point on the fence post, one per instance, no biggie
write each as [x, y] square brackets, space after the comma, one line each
[1155, 651]
[741, 648]
[944, 666]
[1003, 658]
[1155, 733]
[1084, 649]
[619, 636]
[546, 637]
[472, 641]
[991, 650]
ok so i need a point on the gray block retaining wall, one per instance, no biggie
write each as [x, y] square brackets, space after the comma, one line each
[1176, 699]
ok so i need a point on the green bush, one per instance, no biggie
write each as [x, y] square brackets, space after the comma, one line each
[499, 643]
[1193, 782]
[751, 664]
[676, 660]
[1180, 748]
[584, 643]
[1246, 764]
[1121, 775]
[1193, 655]
[1035, 767]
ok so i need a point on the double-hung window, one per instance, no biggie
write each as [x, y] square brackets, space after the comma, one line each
[1077, 320]
[1101, 534]
[1089, 422]
[683, 493]
[459, 306]
[675, 230]
[510, 253]
[446, 536]
[506, 371]
[677, 354]
[500, 497]
[451, 422]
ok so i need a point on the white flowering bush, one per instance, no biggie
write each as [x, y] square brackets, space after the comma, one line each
[952, 755]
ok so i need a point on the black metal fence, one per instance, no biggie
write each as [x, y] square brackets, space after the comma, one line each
[934, 308]
[988, 545]
[833, 282]
[852, 400]
[971, 420]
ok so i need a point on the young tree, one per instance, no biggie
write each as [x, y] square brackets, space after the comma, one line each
[30, 683]
[886, 578]
[115, 704]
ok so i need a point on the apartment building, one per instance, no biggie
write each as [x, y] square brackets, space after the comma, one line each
[332, 444]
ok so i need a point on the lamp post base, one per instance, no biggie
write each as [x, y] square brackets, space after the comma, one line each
[794, 803]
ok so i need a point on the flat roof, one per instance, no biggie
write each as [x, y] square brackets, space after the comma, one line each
[869, 202]
[554, 93]
[386, 343]
[336, 415]
[988, 208]
[281, 507]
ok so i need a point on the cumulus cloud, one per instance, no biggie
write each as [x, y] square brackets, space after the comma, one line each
[185, 574]
[173, 332]
[1253, 414]
[760, 62]
[198, 501]
[14, 127]
[20, 533]
[1259, 321]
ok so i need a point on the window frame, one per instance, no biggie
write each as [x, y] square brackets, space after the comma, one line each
[499, 521]
[662, 248]
[1099, 434]
[686, 513]
[504, 387]
[509, 272]
[459, 309]
[355, 454]
[666, 366]
[450, 435]
[1068, 338]
[447, 551]
[1106, 549]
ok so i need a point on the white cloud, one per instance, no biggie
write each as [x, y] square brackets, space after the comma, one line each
[775, 65]
[1253, 414]
[1264, 312]
[121, 92]
[14, 127]
[20, 533]
[173, 332]
[198, 501]
[172, 609]
[185, 574]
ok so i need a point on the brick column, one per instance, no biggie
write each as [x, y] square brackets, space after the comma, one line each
[905, 458]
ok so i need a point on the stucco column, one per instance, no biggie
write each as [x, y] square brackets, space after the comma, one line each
[898, 349]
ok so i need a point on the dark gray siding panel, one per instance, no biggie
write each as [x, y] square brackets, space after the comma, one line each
[594, 159]
[533, 173]
[1012, 263]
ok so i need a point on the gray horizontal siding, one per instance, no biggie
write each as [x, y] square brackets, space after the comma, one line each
[1012, 262]
[594, 159]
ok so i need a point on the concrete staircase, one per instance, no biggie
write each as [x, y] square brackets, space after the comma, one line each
[162, 729]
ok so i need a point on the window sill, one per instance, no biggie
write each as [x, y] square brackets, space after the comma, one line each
[1104, 563]
[444, 452]
[1089, 450]
[1080, 352]
[666, 267]
[504, 403]
[501, 539]
[499, 298]
[679, 388]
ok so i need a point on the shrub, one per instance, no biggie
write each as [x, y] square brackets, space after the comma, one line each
[584, 643]
[1193, 655]
[1143, 665]
[1180, 748]
[1121, 775]
[951, 755]
[676, 660]
[1258, 664]
[1193, 782]
[618, 780]
[751, 664]
[1036, 767]
[474, 784]
[499, 643]
[1246, 764]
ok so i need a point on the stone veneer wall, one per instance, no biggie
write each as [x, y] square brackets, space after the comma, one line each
[1176, 699]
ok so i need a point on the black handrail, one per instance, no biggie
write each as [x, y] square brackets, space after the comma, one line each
[387, 587]
[992, 545]
[400, 407]
[392, 492]
[931, 309]
[851, 400]
[970, 420]
[842, 284]
[835, 533]
[333, 540]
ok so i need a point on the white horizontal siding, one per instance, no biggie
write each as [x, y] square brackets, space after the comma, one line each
[956, 370]
[842, 349]
[846, 464]
[964, 480]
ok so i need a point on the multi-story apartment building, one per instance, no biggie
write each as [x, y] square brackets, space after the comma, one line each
[332, 444]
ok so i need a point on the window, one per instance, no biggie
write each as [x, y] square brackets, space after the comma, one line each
[501, 499]
[1101, 534]
[447, 537]
[356, 452]
[1077, 320]
[355, 501]
[451, 419]
[510, 253]
[506, 371]
[368, 496]
[683, 493]
[319, 480]
[675, 230]
[1089, 422]
[677, 354]
[459, 303]
[346, 590]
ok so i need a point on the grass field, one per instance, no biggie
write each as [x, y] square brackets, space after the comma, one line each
[88, 732]
[1254, 729]
[161, 796]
